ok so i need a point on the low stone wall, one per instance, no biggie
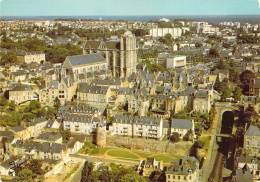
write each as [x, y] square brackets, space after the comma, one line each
[150, 145]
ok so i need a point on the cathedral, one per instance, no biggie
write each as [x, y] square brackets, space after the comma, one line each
[120, 55]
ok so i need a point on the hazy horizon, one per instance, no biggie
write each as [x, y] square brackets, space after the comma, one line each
[128, 7]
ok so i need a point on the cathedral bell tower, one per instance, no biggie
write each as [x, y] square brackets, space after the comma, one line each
[128, 55]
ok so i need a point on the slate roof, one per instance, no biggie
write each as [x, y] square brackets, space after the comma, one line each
[182, 124]
[86, 88]
[166, 124]
[183, 166]
[43, 147]
[40, 120]
[242, 176]
[53, 85]
[7, 164]
[22, 88]
[18, 128]
[85, 59]
[80, 138]
[201, 94]
[49, 136]
[253, 131]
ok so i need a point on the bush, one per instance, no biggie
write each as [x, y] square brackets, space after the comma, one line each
[199, 144]
[175, 137]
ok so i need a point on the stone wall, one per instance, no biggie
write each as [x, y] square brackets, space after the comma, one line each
[149, 145]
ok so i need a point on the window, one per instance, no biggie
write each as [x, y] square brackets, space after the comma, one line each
[169, 176]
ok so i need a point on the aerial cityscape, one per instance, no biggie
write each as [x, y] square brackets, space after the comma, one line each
[130, 91]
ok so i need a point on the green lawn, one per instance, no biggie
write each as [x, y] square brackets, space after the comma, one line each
[143, 154]
[165, 158]
[99, 151]
[122, 154]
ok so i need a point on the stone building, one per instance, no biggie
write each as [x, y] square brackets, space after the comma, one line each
[252, 140]
[30, 57]
[184, 169]
[83, 63]
[120, 55]
[21, 94]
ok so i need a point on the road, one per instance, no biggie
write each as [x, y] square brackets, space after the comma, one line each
[213, 147]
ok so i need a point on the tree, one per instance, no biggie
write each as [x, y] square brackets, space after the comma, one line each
[87, 174]
[25, 175]
[3, 101]
[251, 116]
[12, 106]
[140, 32]
[163, 24]
[188, 136]
[199, 144]
[36, 166]
[175, 137]
[34, 106]
[8, 58]
[57, 103]
[226, 93]
[132, 177]
[66, 134]
[50, 113]
[237, 93]
[213, 52]
[246, 76]
[198, 44]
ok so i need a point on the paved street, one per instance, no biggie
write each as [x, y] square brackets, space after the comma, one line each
[213, 147]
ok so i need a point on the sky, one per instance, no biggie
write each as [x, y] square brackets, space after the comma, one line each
[127, 7]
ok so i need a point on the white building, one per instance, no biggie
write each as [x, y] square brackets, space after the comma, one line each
[160, 32]
[134, 126]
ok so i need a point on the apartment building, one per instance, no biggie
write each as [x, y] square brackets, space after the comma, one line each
[134, 126]
[160, 32]
[83, 124]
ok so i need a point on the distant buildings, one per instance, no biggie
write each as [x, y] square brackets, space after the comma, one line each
[161, 32]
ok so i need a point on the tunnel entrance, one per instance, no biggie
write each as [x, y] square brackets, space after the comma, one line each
[227, 122]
